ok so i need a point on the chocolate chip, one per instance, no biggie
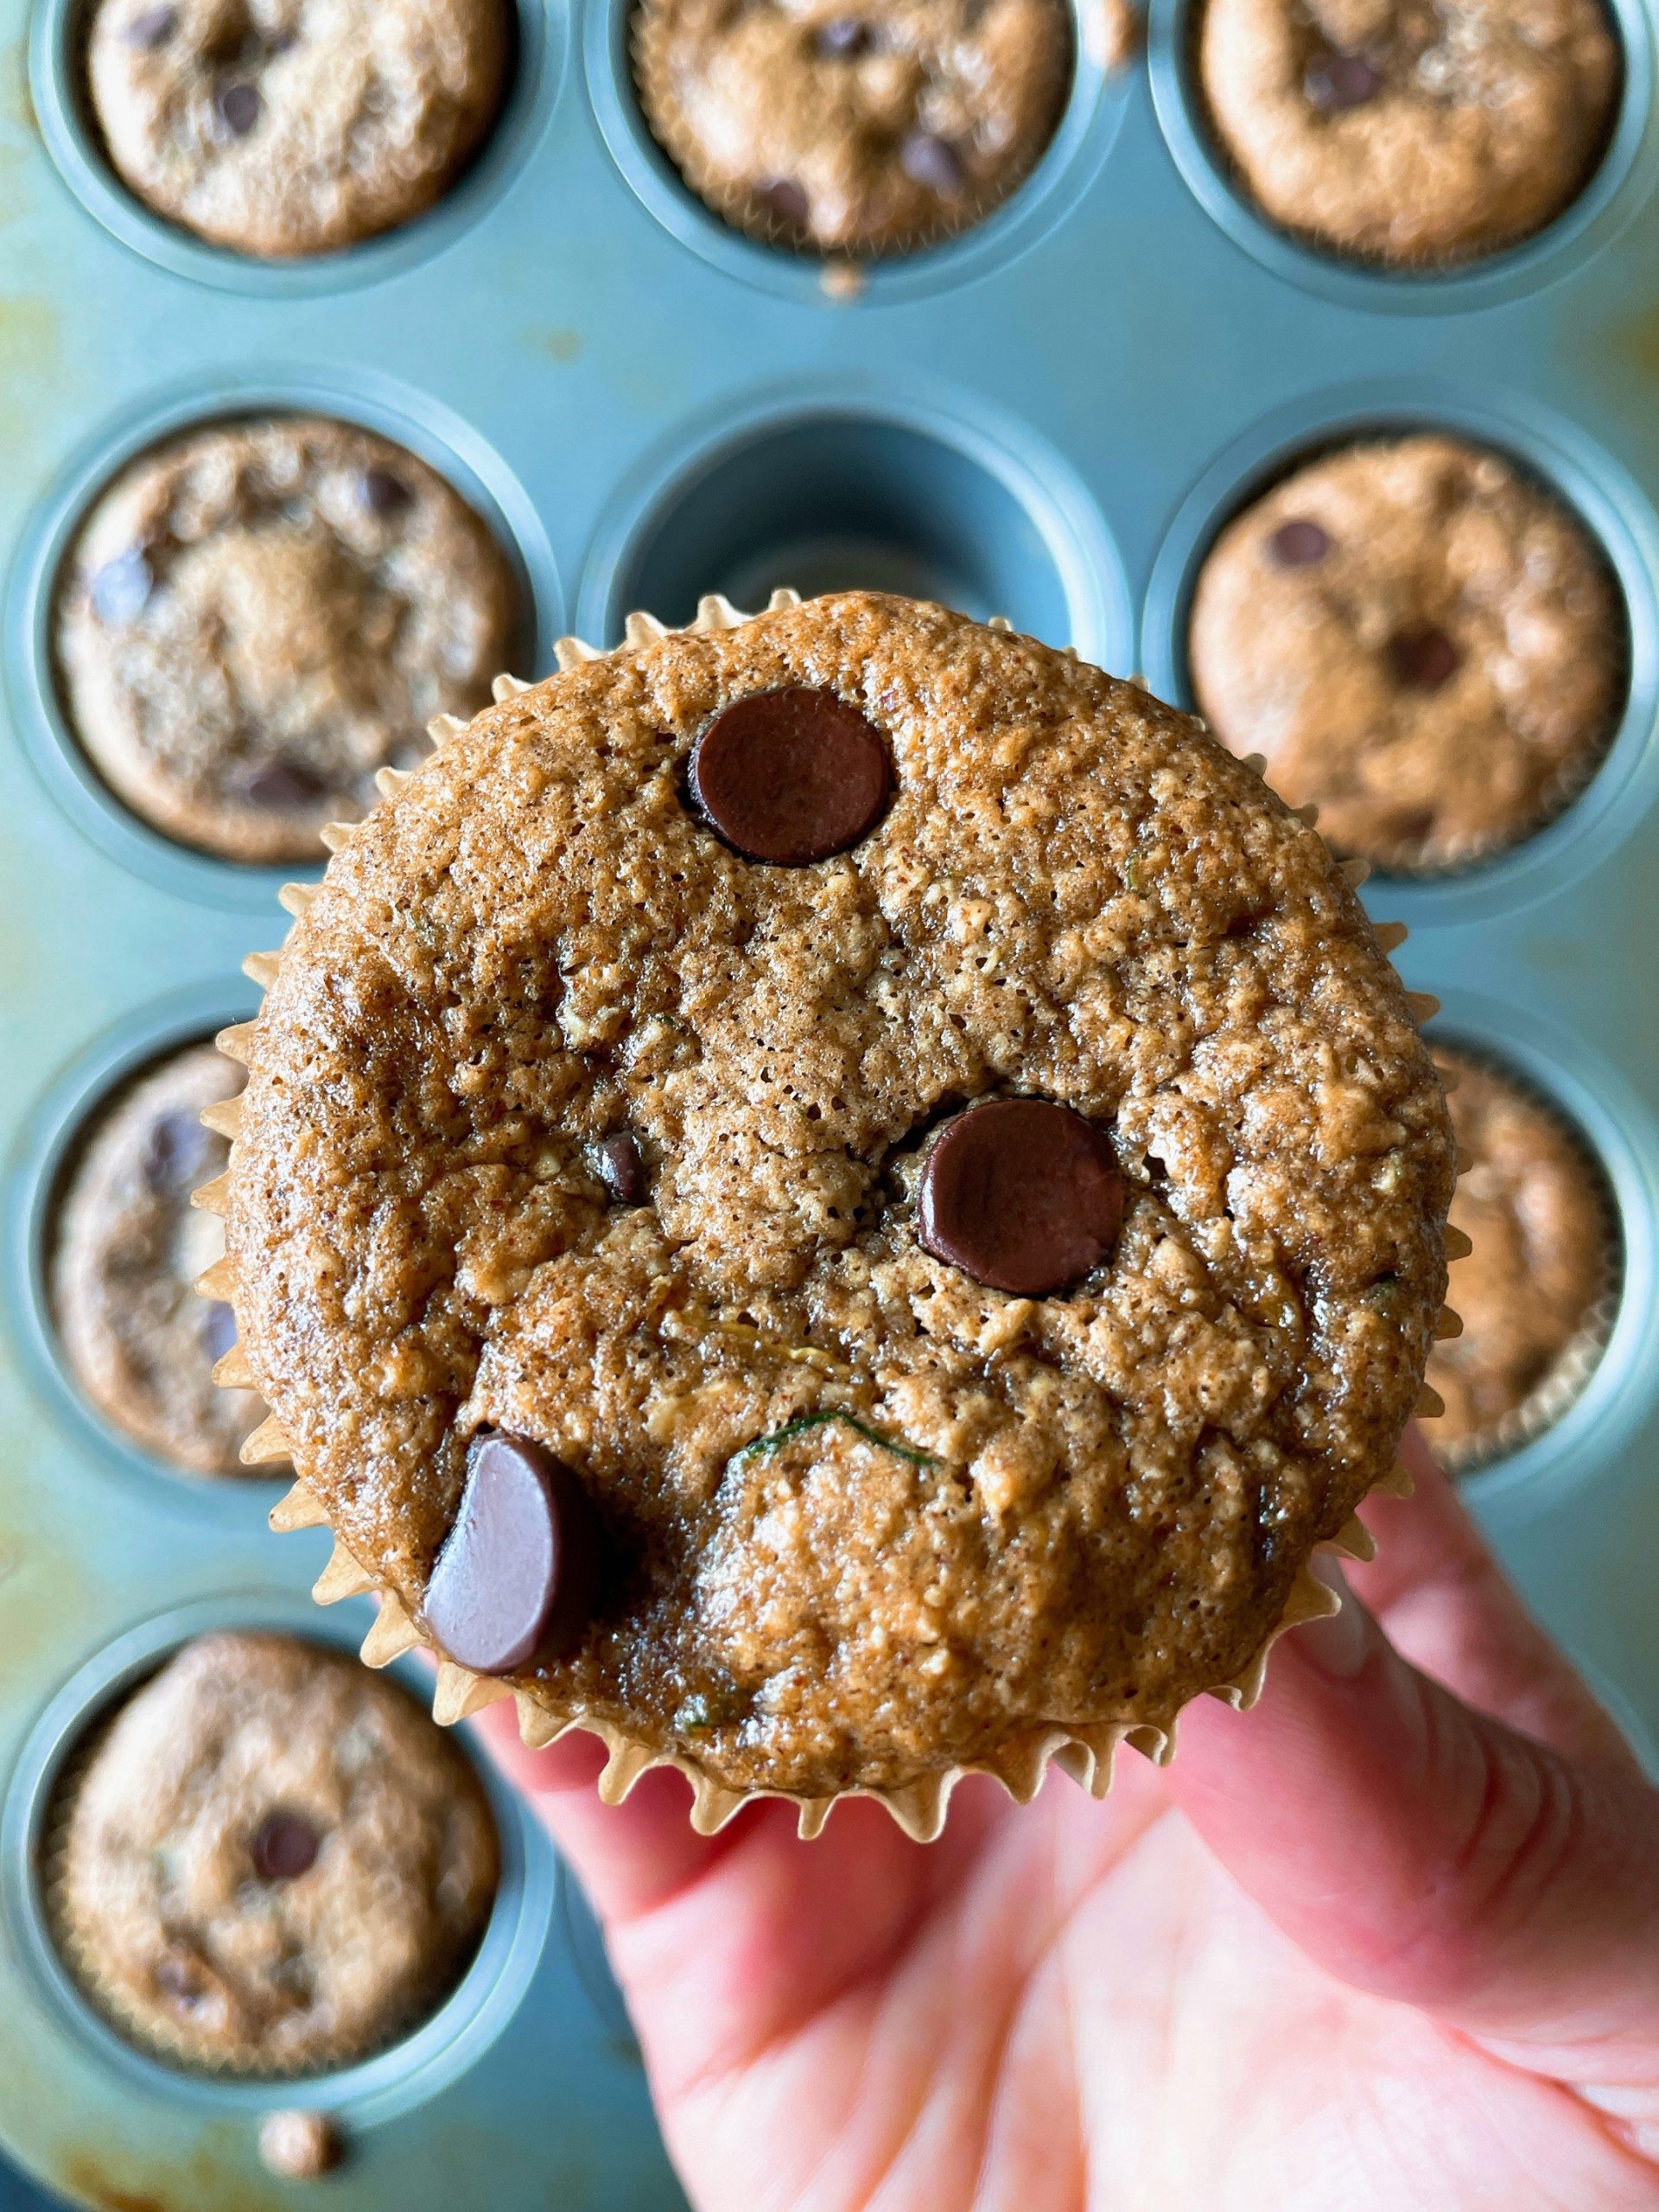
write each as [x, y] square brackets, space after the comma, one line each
[217, 1328]
[1423, 659]
[238, 107]
[121, 588]
[1022, 1194]
[153, 28]
[621, 1169]
[844, 38]
[517, 1572]
[383, 493]
[281, 785]
[934, 162]
[179, 1151]
[1299, 544]
[790, 776]
[787, 201]
[1335, 81]
[285, 1845]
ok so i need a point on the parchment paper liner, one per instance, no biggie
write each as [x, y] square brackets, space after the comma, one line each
[654, 88]
[1546, 1402]
[327, 2055]
[1085, 1751]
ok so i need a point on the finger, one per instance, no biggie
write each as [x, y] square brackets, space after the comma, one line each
[1448, 1605]
[1429, 1853]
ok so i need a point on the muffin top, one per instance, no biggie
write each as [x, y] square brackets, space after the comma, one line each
[867, 129]
[273, 1861]
[1534, 1293]
[284, 127]
[1419, 640]
[568, 1119]
[259, 616]
[1411, 132]
[129, 1247]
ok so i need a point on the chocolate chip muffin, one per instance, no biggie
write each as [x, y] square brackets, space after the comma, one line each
[285, 127]
[811, 1197]
[863, 131]
[1420, 641]
[1535, 1294]
[272, 1862]
[1414, 133]
[128, 1247]
[258, 616]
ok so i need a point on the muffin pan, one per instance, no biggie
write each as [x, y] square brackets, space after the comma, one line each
[1048, 417]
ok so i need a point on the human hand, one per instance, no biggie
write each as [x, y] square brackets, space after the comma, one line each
[1391, 1941]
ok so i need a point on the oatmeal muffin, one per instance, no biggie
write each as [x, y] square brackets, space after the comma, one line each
[258, 616]
[864, 131]
[811, 1196]
[128, 1247]
[1411, 134]
[1419, 640]
[285, 127]
[272, 1862]
[1535, 1293]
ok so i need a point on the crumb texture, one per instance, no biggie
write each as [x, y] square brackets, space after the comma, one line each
[866, 1517]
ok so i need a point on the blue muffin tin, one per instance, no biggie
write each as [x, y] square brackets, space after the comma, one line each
[1048, 419]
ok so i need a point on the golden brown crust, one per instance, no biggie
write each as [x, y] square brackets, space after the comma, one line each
[1099, 1502]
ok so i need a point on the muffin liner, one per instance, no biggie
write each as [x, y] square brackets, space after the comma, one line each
[1546, 1402]
[1086, 1752]
[659, 105]
[179, 2052]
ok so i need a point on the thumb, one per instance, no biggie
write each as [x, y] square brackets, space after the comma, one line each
[1427, 1852]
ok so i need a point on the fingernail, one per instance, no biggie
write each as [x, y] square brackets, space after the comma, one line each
[1340, 1644]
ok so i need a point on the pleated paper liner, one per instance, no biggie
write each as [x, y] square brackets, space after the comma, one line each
[1084, 1750]
[183, 2053]
[1112, 39]
[1558, 1388]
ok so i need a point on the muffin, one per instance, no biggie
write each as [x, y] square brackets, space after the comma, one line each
[1410, 134]
[811, 1197]
[863, 131]
[270, 1862]
[259, 616]
[128, 1246]
[1419, 641]
[286, 127]
[1536, 1293]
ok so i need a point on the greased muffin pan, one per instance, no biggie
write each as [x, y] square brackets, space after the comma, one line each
[1049, 417]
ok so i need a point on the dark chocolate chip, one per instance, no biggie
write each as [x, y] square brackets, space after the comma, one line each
[1022, 1194]
[179, 1151]
[844, 38]
[285, 1845]
[1299, 544]
[1335, 81]
[791, 776]
[281, 785]
[621, 1169]
[217, 1328]
[787, 201]
[121, 587]
[383, 493]
[1423, 659]
[934, 162]
[153, 28]
[238, 107]
[518, 1569]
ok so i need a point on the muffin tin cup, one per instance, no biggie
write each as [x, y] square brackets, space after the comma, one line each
[1612, 806]
[1621, 181]
[63, 111]
[1620, 1392]
[377, 403]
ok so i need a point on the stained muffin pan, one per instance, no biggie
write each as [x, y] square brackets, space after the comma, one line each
[1048, 417]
